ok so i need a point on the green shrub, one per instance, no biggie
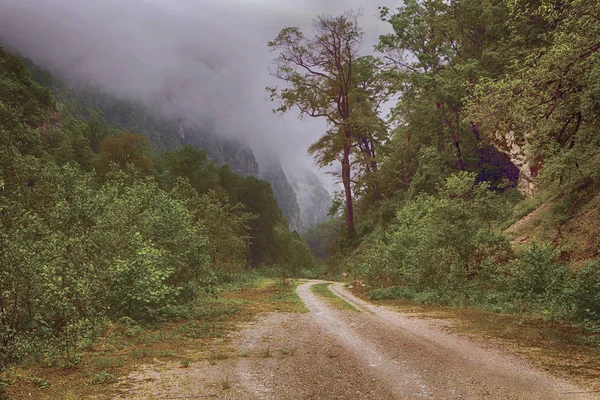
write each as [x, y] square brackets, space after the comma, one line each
[537, 282]
[392, 293]
[103, 378]
[586, 293]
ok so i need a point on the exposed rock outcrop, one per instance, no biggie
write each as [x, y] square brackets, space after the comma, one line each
[272, 172]
[517, 149]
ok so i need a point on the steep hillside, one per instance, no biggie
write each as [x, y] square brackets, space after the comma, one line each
[570, 220]
[93, 104]
[96, 227]
[165, 133]
[314, 200]
[301, 195]
[271, 171]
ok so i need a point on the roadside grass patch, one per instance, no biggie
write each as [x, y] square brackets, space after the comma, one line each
[103, 378]
[41, 383]
[201, 330]
[225, 384]
[274, 296]
[322, 290]
[102, 362]
[195, 332]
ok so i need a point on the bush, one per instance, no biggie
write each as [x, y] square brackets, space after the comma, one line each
[535, 277]
[586, 293]
[443, 249]
[437, 242]
[393, 293]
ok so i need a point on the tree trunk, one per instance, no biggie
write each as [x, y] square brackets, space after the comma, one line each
[454, 129]
[480, 154]
[348, 190]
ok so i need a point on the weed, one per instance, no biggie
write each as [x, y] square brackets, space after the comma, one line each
[201, 330]
[156, 337]
[591, 341]
[41, 383]
[103, 378]
[101, 363]
[166, 353]
[4, 383]
[214, 309]
[244, 353]
[128, 328]
[225, 384]
[216, 356]
[184, 363]
[266, 352]
[142, 353]
[322, 290]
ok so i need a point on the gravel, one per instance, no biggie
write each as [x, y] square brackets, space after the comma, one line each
[334, 354]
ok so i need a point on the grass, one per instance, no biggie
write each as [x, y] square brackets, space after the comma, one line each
[570, 217]
[225, 384]
[322, 290]
[198, 333]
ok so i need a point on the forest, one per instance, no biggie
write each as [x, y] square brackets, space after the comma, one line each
[97, 226]
[494, 116]
[466, 146]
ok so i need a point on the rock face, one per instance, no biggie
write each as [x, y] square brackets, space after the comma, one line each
[164, 133]
[238, 157]
[516, 148]
[272, 172]
[314, 200]
[301, 195]
[171, 133]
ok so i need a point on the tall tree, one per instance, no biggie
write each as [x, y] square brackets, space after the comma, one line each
[322, 82]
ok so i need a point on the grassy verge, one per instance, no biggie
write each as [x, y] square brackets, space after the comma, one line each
[201, 334]
[564, 351]
[322, 290]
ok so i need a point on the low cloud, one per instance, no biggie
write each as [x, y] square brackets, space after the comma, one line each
[201, 60]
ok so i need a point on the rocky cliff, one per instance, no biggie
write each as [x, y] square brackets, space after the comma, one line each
[304, 204]
[272, 172]
[313, 199]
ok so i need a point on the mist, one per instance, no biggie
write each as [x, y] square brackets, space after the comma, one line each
[203, 61]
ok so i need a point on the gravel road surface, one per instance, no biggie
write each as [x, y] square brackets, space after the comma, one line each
[375, 353]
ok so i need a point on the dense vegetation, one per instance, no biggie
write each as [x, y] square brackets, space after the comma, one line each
[497, 113]
[95, 226]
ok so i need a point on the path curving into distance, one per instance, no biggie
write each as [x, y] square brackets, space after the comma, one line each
[414, 358]
[329, 353]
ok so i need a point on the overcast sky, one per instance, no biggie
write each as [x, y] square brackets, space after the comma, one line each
[209, 57]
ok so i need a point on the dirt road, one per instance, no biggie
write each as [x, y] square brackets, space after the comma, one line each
[375, 353]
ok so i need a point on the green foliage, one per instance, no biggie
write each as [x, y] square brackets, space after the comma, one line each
[586, 292]
[91, 231]
[545, 100]
[41, 383]
[103, 378]
[444, 249]
[393, 293]
[437, 240]
[494, 94]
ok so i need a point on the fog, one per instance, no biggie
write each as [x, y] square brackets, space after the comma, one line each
[199, 60]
